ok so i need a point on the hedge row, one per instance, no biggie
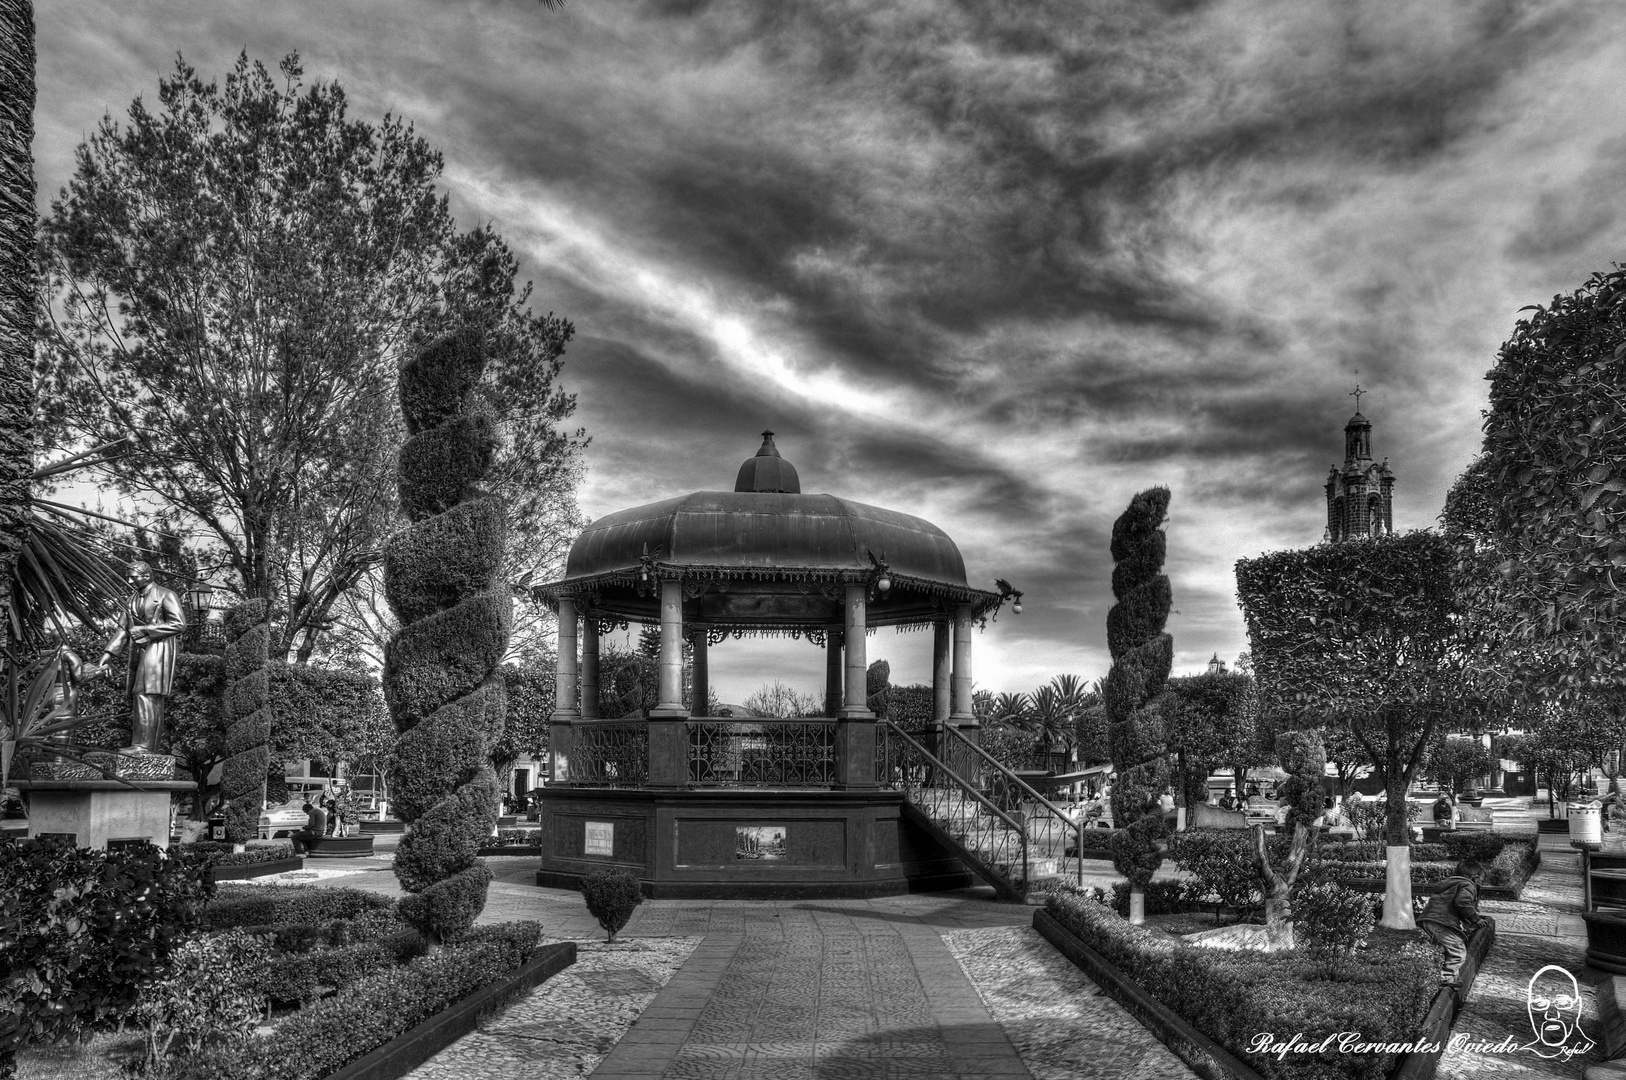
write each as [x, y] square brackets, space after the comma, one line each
[326, 1035]
[302, 976]
[1234, 996]
[286, 905]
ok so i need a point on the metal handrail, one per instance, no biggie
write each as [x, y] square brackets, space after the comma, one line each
[1076, 827]
[964, 785]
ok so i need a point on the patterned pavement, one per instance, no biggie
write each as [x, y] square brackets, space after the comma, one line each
[937, 985]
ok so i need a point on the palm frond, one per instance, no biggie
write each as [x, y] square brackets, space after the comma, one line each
[61, 572]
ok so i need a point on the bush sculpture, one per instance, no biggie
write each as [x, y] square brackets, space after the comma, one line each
[1141, 657]
[1303, 757]
[246, 710]
[441, 678]
[611, 895]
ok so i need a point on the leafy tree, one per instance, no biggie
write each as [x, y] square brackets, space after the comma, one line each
[1090, 730]
[1455, 764]
[1212, 722]
[1142, 654]
[234, 279]
[1345, 755]
[1370, 635]
[1550, 490]
[1560, 743]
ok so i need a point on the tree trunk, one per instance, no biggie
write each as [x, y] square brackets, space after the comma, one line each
[1397, 912]
[17, 278]
[1137, 905]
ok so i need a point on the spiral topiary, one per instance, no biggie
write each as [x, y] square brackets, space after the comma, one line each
[246, 712]
[441, 678]
[1141, 657]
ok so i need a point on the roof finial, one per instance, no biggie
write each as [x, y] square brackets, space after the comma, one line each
[767, 449]
[1357, 396]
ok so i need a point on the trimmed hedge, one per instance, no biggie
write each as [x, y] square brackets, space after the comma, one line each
[287, 905]
[1232, 997]
[301, 976]
[326, 1035]
[219, 854]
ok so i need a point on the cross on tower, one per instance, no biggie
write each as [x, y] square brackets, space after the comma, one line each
[1357, 396]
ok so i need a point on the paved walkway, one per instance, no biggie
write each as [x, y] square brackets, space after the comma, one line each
[938, 985]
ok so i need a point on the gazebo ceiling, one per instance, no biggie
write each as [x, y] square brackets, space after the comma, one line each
[766, 557]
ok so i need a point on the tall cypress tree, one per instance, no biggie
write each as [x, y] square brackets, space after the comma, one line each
[441, 670]
[1142, 654]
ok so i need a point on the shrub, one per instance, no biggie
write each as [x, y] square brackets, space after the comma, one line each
[246, 718]
[1333, 921]
[301, 975]
[1370, 815]
[1232, 996]
[1163, 897]
[1223, 863]
[449, 906]
[211, 988]
[611, 895]
[1481, 846]
[287, 905]
[526, 837]
[326, 1035]
[82, 930]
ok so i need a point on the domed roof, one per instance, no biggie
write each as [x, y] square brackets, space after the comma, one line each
[766, 554]
[768, 471]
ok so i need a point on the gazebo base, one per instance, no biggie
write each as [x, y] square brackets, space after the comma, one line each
[743, 843]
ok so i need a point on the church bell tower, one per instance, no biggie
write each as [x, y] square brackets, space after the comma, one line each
[1360, 495]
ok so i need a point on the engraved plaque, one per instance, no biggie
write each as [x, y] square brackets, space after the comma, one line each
[600, 838]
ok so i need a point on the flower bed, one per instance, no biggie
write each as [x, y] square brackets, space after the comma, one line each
[1234, 997]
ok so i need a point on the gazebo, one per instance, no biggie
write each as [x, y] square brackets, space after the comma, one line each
[698, 805]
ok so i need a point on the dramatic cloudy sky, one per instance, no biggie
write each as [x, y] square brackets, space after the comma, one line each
[998, 264]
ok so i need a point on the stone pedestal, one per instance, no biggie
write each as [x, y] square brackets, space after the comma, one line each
[101, 813]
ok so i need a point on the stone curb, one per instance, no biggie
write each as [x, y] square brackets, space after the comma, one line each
[412, 1048]
[260, 869]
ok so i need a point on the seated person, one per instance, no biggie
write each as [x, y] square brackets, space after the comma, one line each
[1227, 800]
[1451, 915]
[1444, 812]
[315, 828]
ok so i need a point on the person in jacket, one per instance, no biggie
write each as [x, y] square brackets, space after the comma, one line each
[1451, 915]
[315, 827]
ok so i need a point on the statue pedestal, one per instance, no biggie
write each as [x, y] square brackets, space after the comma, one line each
[101, 813]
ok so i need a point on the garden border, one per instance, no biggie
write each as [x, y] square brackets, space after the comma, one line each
[1212, 1061]
[417, 1045]
[245, 871]
[511, 849]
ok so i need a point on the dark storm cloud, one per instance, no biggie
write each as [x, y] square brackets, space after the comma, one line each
[1001, 264]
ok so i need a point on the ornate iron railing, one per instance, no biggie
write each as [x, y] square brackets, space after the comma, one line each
[995, 815]
[956, 805]
[1053, 836]
[611, 753]
[762, 752]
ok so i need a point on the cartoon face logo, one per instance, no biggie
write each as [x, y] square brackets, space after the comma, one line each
[1554, 1002]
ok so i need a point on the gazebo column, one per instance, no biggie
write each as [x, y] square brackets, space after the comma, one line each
[961, 714]
[700, 692]
[855, 726]
[942, 673]
[565, 714]
[832, 670]
[668, 720]
[589, 701]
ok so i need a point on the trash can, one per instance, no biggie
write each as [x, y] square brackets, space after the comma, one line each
[1586, 824]
[217, 829]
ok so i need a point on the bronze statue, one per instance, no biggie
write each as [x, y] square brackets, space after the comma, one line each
[151, 628]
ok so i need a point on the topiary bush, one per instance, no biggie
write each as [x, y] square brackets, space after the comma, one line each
[611, 896]
[441, 678]
[1141, 656]
[246, 717]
